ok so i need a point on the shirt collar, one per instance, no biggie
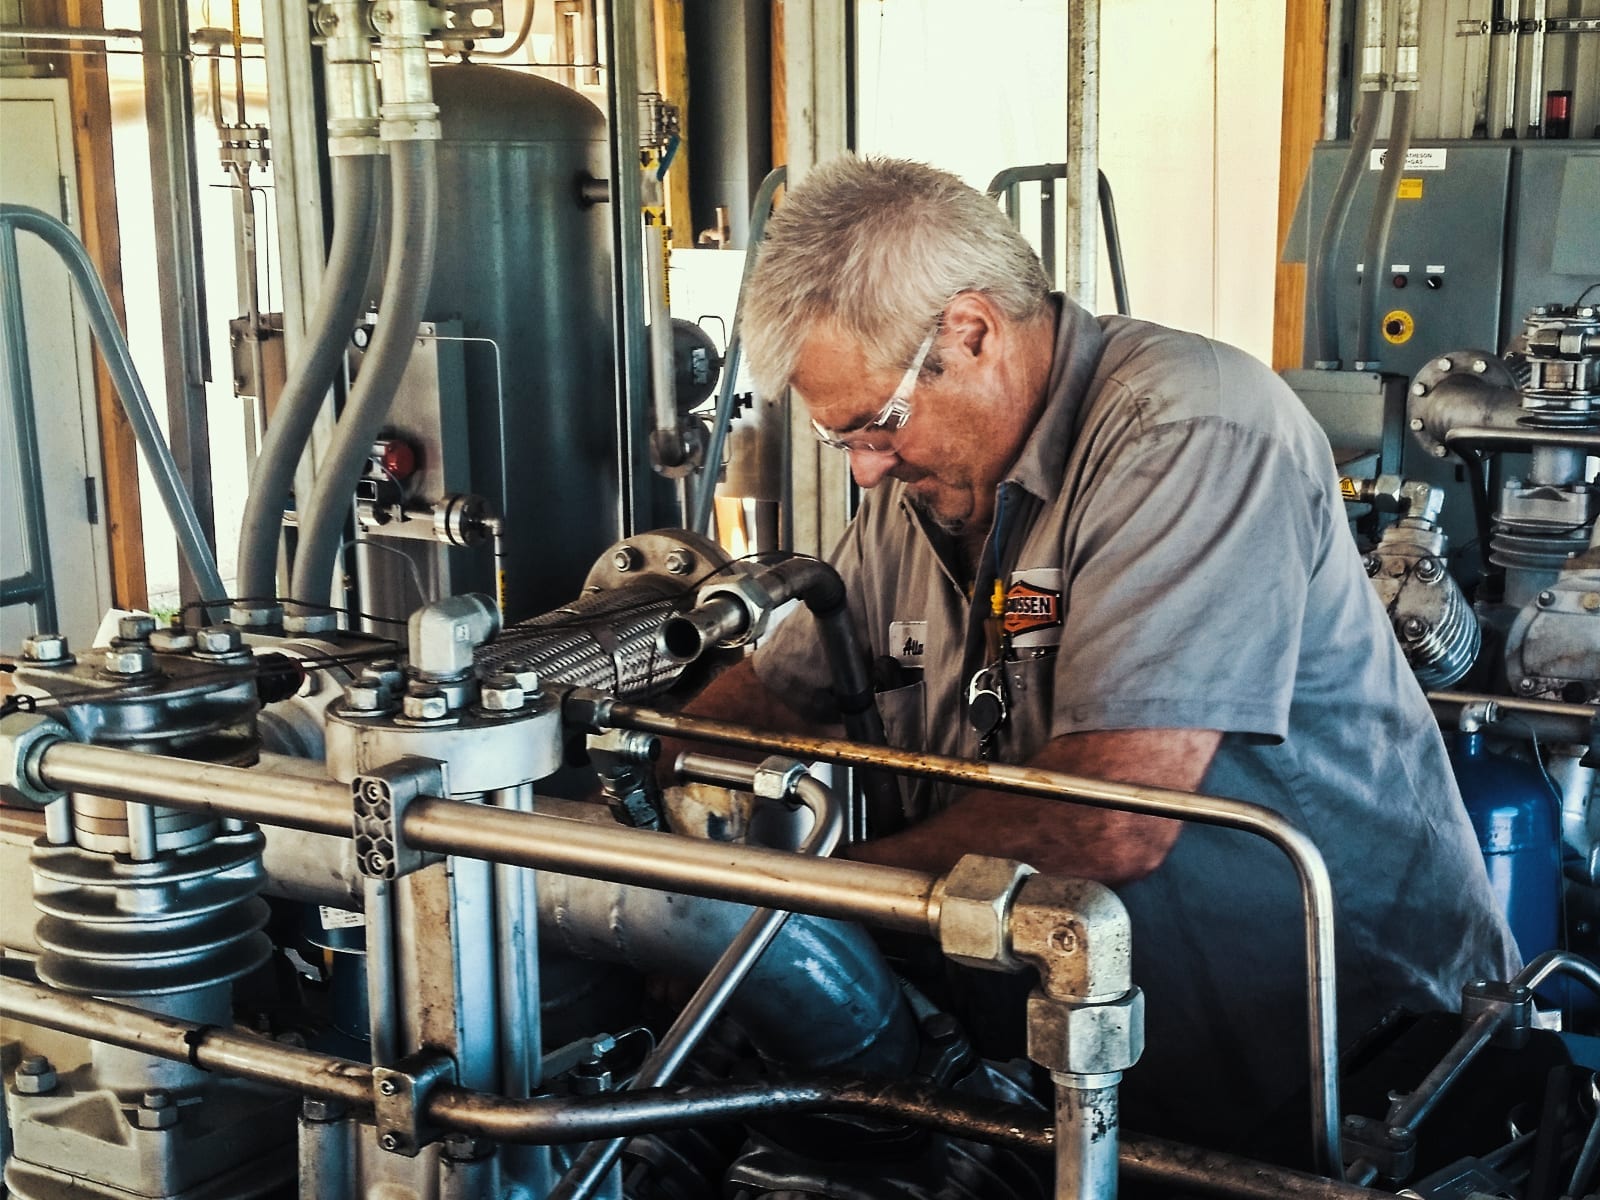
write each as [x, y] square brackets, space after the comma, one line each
[1079, 344]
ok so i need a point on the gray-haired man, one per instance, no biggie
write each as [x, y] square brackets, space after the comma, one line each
[1180, 604]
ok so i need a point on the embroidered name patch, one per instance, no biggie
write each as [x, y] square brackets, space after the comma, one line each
[908, 642]
[1033, 611]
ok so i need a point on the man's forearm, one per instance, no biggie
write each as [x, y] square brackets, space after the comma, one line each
[1056, 835]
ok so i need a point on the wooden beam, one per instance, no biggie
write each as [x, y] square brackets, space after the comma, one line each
[780, 90]
[672, 73]
[97, 200]
[1305, 49]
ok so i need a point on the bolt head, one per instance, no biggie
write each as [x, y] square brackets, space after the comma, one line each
[156, 1111]
[388, 1141]
[1371, 563]
[525, 676]
[1527, 686]
[1419, 389]
[136, 627]
[1439, 451]
[388, 1087]
[1430, 570]
[219, 639]
[1413, 628]
[625, 558]
[1444, 364]
[45, 647]
[1546, 599]
[426, 706]
[35, 1076]
[129, 660]
[1416, 424]
[1479, 366]
[680, 562]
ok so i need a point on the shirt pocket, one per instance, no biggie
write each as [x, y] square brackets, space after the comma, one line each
[905, 723]
[1030, 698]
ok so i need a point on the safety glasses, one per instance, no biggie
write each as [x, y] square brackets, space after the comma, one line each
[874, 436]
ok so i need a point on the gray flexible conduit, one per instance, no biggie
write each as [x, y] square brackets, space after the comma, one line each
[407, 279]
[355, 185]
[1376, 246]
[1322, 279]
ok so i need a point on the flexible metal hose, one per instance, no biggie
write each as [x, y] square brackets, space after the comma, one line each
[355, 186]
[1376, 246]
[407, 279]
[1322, 279]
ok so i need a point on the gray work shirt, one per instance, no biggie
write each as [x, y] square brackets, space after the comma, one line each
[1178, 557]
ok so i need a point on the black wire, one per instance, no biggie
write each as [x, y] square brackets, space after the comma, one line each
[312, 604]
[1585, 292]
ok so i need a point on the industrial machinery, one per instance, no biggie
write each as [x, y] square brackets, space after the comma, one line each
[293, 905]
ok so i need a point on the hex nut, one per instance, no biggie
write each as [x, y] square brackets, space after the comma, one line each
[136, 627]
[35, 1076]
[1086, 1039]
[255, 615]
[526, 677]
[45, 648]
[974, 912]
[129, 660]
[679, 562]
[24, 737]
[501, 693]
[156, 1111]
[219, 639]
[309, 623]
[172, 641]
[426, 706]
[625, 558]
[366, 696]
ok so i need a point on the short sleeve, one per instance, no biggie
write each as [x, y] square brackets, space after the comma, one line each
[1187, 582]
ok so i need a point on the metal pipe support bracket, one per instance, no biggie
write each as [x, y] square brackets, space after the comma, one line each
[379, 800]
[400, 1096]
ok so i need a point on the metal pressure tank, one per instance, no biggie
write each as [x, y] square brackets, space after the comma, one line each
[525, 261]
[1517, 818]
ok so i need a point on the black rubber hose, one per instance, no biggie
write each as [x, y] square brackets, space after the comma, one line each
[355, 186]
[408, 276]
[1322, 278]
[1376, 247]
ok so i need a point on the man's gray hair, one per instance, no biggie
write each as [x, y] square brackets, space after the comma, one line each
[879, 246]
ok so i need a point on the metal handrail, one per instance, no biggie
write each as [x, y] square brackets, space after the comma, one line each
[197, 554]
[1003, 187]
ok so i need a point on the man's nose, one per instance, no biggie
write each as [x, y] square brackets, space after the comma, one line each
[868, 467]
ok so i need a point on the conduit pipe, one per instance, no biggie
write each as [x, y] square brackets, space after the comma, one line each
[353, 146]
[249, 1056]
[1322, 283]
[1375, 249]
[410, 124]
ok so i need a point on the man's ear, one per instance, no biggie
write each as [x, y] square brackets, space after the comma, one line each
[974, 323]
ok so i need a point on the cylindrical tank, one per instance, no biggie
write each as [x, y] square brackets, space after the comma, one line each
[525, 260]
[1516, 817]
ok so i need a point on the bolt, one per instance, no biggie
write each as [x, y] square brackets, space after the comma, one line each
[172, 641]
[680, 562]
[45, 647]
[220, 639]
[129, 660]
[1413, 628]
[1370, 562]
[1416, 424]
[1527, 686]
[500, 693]
[1439, 451]
[1419, 389]
[526, 677]
[1546, 599]
[1429, 570]
[156, 1111]
[426, 706]
[327, 20]
[388, 1087]
[1480, 365]
[1444, 364]
[389, 1142]
[136, 628]
[625, 558]
[321, 1111]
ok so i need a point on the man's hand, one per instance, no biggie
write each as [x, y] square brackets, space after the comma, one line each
[1058, 835]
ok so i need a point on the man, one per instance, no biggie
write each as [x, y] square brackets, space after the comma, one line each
[1179, 604]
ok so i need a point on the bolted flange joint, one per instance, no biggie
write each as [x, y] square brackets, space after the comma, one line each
[24, 738]
[975, 899]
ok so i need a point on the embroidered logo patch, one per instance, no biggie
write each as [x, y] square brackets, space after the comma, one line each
[908, 642]
[1034, 612]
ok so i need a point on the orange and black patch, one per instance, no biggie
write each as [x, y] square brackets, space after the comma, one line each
[1030, 608]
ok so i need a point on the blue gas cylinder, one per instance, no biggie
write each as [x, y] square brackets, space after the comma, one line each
[1518, 822]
